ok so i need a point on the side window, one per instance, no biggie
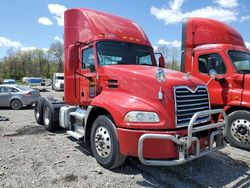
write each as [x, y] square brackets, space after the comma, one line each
[2, 89]
[211, 61]
[10, 89]
[14, 90]
[88, 59]
[5, 89]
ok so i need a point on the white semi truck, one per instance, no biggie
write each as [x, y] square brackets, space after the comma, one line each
[58, 82]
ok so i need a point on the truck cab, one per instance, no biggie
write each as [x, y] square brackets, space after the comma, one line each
[216, 46]
[58, 81]
[117, 101]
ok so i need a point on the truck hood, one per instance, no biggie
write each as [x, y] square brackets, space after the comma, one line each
[141, 80]
[137, 89]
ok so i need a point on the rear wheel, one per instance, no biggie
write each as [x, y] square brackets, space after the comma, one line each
[104, 143]
[16, 104]
[238, 132]
[38, 110]
[48, 120]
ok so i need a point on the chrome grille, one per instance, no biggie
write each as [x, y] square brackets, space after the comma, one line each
[188, 102]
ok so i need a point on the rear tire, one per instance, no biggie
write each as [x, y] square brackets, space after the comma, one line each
[48, 114]
[104, 143]
[38, 110]
[16, 104]
[238, 132]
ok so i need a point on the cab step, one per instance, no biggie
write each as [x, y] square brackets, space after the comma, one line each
[76, 135]
[77, 132]
[77, 119]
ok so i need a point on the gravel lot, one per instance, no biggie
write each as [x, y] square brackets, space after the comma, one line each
[32, 157]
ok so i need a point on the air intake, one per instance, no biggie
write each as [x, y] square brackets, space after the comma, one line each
[112, 84]
[188, 102]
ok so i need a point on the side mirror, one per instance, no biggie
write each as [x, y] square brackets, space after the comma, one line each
[161, 62]
[92, 67]
[73, 56]
[213, 73]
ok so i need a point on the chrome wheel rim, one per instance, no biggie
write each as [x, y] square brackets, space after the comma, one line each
[46, 116]
[240, 130]
[102, 142]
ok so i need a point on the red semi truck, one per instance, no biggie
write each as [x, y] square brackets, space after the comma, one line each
[211, 45]
[121, 104]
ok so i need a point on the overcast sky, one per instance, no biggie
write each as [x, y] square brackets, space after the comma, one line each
[30, 24]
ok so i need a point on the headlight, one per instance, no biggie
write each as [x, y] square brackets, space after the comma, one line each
[139, 116]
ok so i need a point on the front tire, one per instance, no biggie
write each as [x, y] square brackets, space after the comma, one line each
[104, 143]
[238, 132]
[16, 104]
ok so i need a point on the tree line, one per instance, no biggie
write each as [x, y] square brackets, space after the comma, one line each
[40, 63]
[172, 56]
[32, 63]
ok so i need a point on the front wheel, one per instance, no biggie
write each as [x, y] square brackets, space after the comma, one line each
[104, 143]
[238, 132]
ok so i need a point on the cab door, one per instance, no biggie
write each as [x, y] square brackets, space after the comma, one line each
[219, 89]
[88, 81]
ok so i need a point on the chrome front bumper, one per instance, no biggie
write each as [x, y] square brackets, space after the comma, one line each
[216, 141]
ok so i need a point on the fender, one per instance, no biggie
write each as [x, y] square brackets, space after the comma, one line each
[228, 108]
[123, 102]
[245, 104]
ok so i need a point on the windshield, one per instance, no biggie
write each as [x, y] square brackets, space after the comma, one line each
[113, 53]
[241, 61]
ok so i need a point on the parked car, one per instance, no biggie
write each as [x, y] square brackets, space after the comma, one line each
[35, 81]
[16, 96]
[9, 81]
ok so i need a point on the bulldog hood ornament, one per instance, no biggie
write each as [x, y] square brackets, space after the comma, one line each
[186, 76]
[160, 75]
